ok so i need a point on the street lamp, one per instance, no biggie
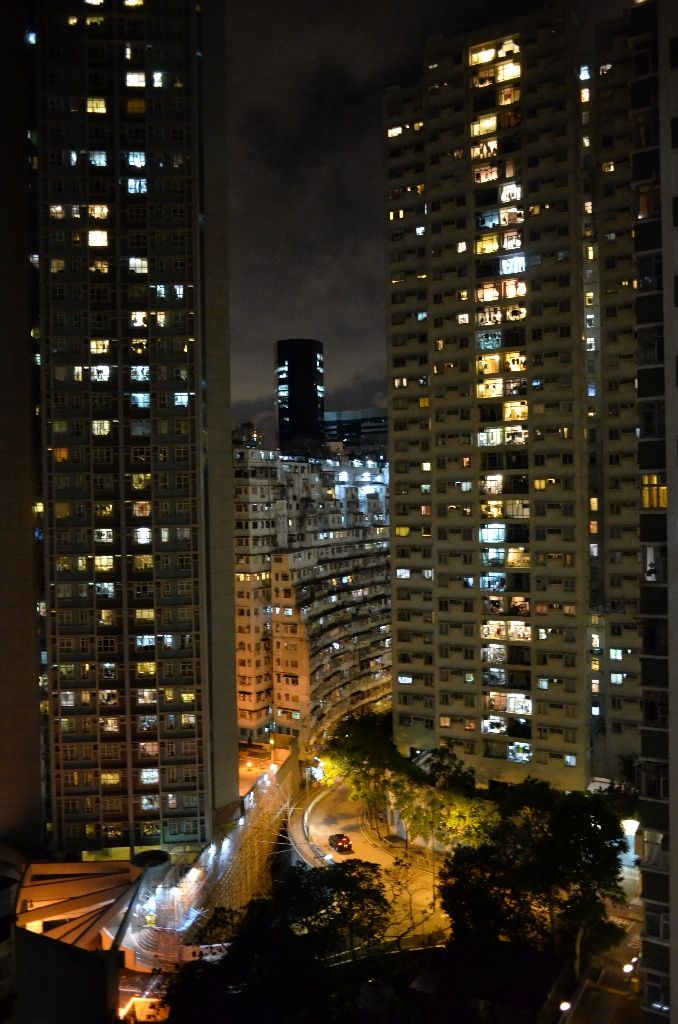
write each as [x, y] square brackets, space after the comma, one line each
[564, 1008]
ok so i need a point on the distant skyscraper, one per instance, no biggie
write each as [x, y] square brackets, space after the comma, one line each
[135, 386]
[363, 431]
[300, 395]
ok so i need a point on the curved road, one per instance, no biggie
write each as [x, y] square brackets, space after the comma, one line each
[409, 885]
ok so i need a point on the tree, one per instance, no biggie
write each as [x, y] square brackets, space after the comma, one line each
[362, 753]
[450, 773]
[357, 904]
[549, 864]
[484, 907]
[442, 816]
[311, 915]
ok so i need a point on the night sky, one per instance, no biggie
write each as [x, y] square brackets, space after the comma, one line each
[306, 184]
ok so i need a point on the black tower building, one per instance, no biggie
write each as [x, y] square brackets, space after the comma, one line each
[300, 395]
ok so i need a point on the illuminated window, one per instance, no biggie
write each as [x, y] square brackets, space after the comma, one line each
[654, 493]
[483, 150]
[608, 166]
[585, 95]
[510, 192]
[393, 132]
[104, 563]
[98, 238]
[57, 212]
[507, 71]
[484, 125]
[402, 531]
[98, 211]
[512, 265]
[486, 244]
[101, 428]
[513, 288]
[138, 264]
[515, 410]
[136, 159]
[491, 437]
[488, 364]
[96, 105]
[135, 79]
[486, 172]
[490, 388]
[508, 94]
[511, 215]
[482, 54]
[488, 291]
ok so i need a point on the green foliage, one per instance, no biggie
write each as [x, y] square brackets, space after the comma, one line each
[363, 755]
[550, 861]
[312, 914]
[445, 816]
[449, 772]
[484, 907]
[222, 925]
[438, 803]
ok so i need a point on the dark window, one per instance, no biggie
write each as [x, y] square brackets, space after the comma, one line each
[674, 132]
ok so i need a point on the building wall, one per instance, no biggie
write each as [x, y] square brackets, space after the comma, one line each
[124, 358]
[21, 811]
[653, 39]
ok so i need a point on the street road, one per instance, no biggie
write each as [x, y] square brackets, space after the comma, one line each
[409, 884]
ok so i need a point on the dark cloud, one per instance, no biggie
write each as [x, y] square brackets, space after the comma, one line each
[306, 183]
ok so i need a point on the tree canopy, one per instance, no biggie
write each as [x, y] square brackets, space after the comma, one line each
[543, 873]
[312, 915]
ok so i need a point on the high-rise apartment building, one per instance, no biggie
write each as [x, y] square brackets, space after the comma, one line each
[134, 411]
[653, 104]
[312, 592]
[514, 447]
[21, 808]
[300, 395]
